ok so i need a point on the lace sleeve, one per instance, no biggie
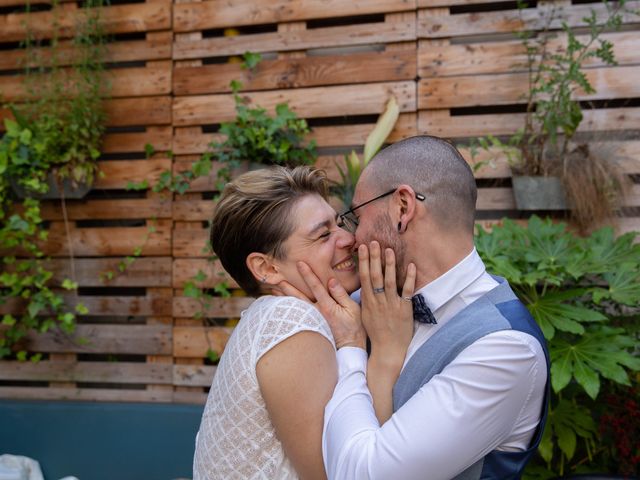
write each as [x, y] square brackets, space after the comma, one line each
[284, 317]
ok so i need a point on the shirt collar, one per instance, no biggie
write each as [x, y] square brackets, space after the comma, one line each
[451, 283]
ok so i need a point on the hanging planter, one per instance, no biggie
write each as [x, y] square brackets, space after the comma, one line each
[539, 193]
[57, 189]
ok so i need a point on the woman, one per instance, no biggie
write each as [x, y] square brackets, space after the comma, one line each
[264, 414]
[263, 417]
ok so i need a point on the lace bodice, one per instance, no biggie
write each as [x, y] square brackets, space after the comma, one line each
[236, 439]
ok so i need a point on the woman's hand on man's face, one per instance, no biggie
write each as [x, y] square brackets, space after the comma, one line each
[335, 305]
[386, 315]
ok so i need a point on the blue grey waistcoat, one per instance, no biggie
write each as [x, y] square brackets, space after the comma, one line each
[499, 309]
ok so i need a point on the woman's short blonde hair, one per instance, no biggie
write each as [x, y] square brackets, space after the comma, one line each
[254, 215]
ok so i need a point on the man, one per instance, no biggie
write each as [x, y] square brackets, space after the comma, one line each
[471, 400]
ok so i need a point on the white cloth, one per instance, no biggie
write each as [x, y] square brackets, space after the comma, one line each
[236, 439]
[488, 398]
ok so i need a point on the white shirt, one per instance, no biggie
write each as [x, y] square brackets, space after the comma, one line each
[236, 439]
[489, 397]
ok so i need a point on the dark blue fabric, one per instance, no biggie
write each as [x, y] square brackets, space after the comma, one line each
[499, 309]
[421, 312]
[509, 465]
[102, 441]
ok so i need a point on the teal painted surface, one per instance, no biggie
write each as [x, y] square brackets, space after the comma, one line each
[96, 441]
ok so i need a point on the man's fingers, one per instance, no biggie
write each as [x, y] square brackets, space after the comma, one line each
[313, 282]
[339, 294]
[409, 282]
[390, 271]
[285, 288]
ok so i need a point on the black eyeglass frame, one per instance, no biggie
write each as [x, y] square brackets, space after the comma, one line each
[354, 220]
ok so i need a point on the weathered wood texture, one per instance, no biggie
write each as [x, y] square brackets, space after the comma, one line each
[455, 67]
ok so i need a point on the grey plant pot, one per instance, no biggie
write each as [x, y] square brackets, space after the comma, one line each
[56, 191]
[539, 193]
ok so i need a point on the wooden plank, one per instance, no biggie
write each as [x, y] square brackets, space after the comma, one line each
[495, 199]
[85, 394]
[190, 397]
[116, 339]
[109, 241]
[159, 137]
[123, 112]
[448, 3]
[124, 82]
[111, 209]
[216, 308]
[508, 21]
[365, 34]
[193, 342]
[298, 72]
[438, 60]
[157, 48]
[467, 91]
[188, 141]
[190, 243]
[122, 305]
[143, 272]
[220, 13]
[193, 375]
[306, 102]
[193, 210]
[138, 17]
[119, 173]
[442, 124]
[184, 269]
[103, 372]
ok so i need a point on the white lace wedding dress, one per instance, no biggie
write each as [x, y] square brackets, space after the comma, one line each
[236, 439]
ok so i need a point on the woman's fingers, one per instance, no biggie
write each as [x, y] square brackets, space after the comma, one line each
[409, 282]
[363, 269]
[375, 266]
[390, 272]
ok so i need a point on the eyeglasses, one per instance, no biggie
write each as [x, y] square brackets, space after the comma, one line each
[349, 221]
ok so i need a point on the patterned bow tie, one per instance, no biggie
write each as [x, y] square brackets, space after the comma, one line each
[421, 312]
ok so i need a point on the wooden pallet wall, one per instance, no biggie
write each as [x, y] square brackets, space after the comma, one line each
[473, 79]
[455, 67]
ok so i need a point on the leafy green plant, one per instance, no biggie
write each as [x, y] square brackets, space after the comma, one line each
[354, 164]
[256, 136]
[55, 134]
[544, 145]
[582, 292]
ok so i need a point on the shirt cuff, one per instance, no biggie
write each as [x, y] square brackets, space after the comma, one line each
[351, 359]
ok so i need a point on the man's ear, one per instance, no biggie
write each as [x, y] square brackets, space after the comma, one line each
[263, 268]
[405, 206]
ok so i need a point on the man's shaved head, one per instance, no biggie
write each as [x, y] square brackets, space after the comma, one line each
[434, 168]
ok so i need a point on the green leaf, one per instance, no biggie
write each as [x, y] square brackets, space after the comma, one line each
[191, 291]
[212, 355]
[81, 309]
[69, 285]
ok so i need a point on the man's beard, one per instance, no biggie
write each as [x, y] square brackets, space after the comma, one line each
[388, 237]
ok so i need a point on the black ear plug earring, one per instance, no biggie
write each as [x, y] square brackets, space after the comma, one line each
[400, 226]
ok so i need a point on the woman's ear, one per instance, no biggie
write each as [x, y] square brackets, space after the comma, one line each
[263, 268]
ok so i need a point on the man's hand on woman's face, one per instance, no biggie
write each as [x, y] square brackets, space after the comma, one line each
[335, 305]
[386, 315]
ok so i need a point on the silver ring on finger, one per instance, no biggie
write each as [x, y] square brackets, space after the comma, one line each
[409, 299]
[378, 290]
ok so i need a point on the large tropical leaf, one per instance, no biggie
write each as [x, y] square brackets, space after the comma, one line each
[603, 351]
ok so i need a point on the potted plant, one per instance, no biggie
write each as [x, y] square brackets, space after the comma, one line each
[551, 169]
[48, 150]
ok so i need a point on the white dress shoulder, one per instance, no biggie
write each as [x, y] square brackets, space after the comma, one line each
[236, 439]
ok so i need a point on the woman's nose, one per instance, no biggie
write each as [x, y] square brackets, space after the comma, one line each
[346, 239]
